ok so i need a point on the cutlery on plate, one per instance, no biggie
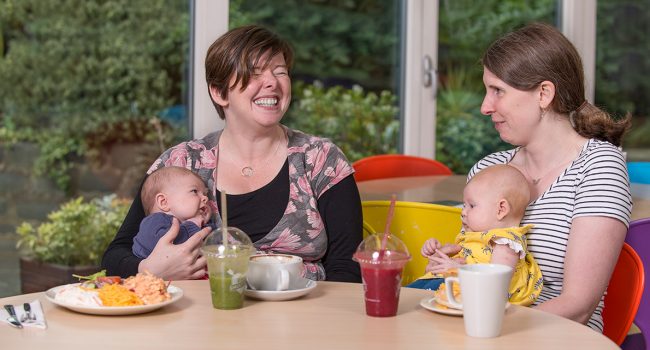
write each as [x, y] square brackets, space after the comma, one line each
[13, 319]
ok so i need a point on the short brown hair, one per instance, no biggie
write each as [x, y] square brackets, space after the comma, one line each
[158, 181]
[539, 52]
[236, 53]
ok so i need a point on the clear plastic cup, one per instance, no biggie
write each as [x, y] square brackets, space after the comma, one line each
[227, 266]
[381, 271]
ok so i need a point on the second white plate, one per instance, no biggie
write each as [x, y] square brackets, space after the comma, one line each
[432, 305]
[269, 295]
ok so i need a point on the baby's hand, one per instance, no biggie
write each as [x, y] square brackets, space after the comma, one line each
[441, 262]
[198, 220]
[429, 248]
[206, 215]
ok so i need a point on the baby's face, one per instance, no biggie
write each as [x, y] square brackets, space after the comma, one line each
[188, 198]
[480, 205]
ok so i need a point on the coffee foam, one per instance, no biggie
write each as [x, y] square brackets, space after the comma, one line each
[273, 259]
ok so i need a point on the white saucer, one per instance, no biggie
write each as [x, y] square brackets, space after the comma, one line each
[302, 287]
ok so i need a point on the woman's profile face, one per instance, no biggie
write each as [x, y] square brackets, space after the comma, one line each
[267, 96]
[515, 113]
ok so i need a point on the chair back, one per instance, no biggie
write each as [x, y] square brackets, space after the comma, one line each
[413, 223]
[396, 165]
[623, 295]
[638, 237]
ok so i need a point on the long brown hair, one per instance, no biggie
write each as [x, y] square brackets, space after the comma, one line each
[539, 52]
[236, 53]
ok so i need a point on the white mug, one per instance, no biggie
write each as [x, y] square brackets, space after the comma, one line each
[273, 272]
[484, 292]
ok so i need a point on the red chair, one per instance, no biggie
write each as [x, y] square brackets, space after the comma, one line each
[623, 295]
[396, 165]
[638, 237]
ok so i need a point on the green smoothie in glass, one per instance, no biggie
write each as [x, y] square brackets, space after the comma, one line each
[227, 267]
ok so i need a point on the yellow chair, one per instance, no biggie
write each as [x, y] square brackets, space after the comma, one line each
[413, 223]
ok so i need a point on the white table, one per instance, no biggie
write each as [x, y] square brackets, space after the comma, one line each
[331, 317]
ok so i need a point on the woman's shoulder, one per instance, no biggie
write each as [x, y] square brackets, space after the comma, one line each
[595, 147]
[598, 151]
[185, 154]
[299, 138]
[301, 142]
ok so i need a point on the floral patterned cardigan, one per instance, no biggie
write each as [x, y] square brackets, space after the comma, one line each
[315, 165]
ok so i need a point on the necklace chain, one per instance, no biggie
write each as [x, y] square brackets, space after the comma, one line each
[537, 180]
[249, 170]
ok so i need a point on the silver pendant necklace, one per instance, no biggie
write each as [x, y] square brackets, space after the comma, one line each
[249, 171]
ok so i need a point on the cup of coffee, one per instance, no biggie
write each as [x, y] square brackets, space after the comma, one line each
[274, 272]
[227, 265]
[382, 260]
[484, 293]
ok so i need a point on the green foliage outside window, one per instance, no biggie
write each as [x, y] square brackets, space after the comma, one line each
[336, 42]
[75, 234]
[77, 67]
[361, 123]
[623, 65]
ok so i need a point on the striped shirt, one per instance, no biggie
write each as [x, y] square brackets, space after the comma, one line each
[595, 184]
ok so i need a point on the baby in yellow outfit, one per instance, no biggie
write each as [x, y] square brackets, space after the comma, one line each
[494, 202]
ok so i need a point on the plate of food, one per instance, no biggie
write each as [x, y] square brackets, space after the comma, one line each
[101, 295]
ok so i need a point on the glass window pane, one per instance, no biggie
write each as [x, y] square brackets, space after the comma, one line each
[466, 28]
[623, 67]
[90, 93]
[346, 70]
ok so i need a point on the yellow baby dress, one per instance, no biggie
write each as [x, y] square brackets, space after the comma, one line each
[476, 248]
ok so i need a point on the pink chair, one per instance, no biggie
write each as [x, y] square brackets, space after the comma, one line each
[638, 236]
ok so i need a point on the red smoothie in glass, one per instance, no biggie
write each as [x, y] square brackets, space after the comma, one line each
[381, 282]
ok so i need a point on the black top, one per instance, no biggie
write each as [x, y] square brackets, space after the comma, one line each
[258, 212]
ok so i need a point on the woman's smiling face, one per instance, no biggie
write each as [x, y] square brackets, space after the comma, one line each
[266, 98]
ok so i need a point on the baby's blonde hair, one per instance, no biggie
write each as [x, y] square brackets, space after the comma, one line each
[158, 181]
[509, 183]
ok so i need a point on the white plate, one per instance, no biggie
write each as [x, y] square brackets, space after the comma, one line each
[434, 305]
[303, 288]
[175, 292]
[431, 304]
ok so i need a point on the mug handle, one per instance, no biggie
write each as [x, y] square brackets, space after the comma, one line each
[449, 283]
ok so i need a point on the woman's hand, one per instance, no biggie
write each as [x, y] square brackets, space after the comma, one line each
[176, 262]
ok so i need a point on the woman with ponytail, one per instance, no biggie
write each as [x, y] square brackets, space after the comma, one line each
[568, 150]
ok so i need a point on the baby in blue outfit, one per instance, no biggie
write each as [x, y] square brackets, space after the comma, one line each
[167, 193]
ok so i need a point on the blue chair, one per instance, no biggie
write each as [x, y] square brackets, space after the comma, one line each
[639, 172]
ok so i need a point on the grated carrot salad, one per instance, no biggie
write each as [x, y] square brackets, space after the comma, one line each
[117, 295]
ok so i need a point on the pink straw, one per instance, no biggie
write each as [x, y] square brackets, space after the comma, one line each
[389, 219]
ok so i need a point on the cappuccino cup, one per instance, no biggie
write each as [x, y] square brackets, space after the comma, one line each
[273, 272]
